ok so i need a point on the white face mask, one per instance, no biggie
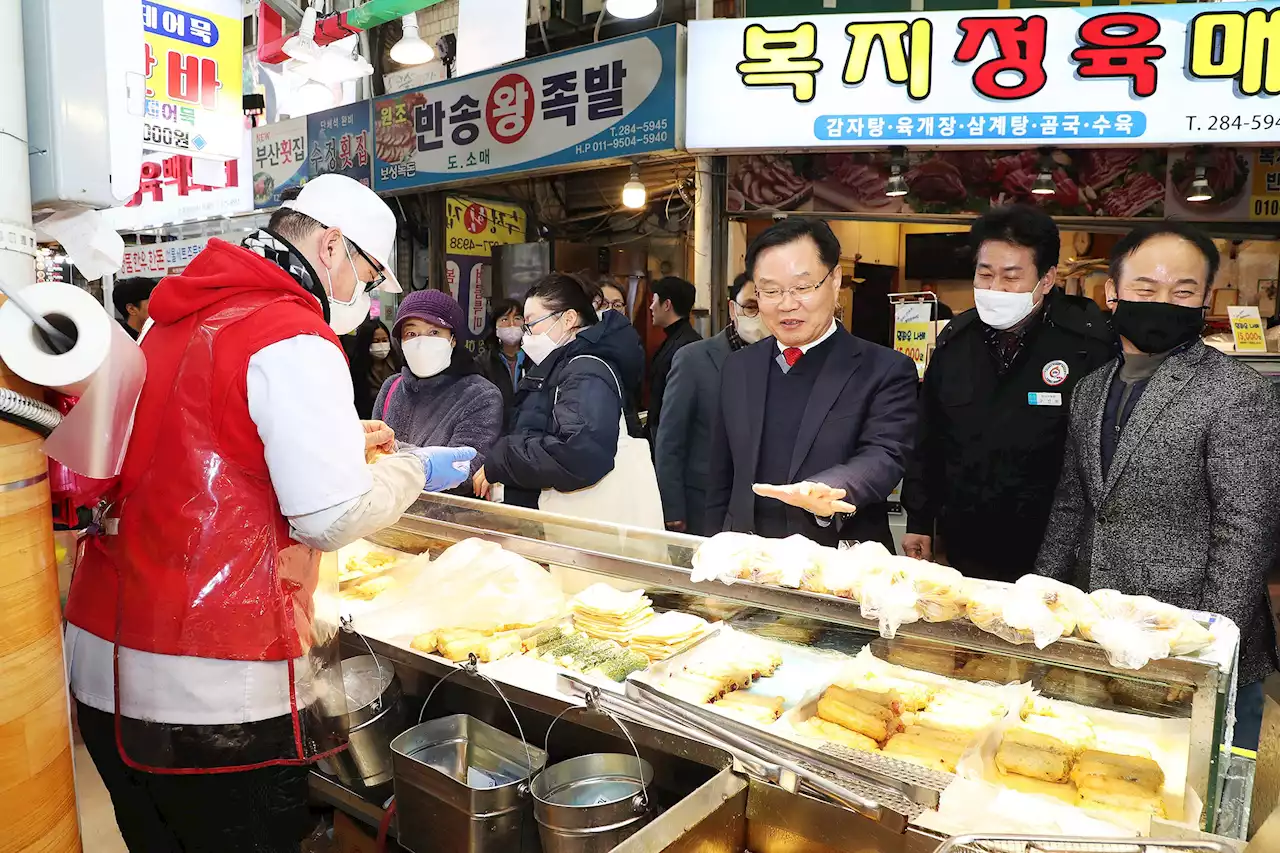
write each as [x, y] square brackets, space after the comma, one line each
[346, 317]
[427, 356]
[380, 351]
[539, 346]
[1002, 310]
[751, 329]
[510, 335]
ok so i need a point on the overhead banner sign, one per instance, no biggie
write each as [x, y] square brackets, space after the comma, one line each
[279, 160]
[156, 260]
[193, 97]
[342, 142]
[609, 100]
[1136, 75]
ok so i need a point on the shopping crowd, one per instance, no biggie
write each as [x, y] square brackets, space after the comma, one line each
[1110, 450]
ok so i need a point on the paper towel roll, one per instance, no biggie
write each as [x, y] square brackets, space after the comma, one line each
[25, 352]
[105, 370]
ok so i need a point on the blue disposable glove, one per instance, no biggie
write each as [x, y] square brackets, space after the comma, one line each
[445, 467]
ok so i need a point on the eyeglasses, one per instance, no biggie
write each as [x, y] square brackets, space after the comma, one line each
[527, 328]
[800, 292]
[380, 273]
[747, 310]
[616, 304]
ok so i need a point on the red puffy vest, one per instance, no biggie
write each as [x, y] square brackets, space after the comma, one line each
[202, 563]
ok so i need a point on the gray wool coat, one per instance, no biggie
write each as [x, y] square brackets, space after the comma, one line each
[1188, 512]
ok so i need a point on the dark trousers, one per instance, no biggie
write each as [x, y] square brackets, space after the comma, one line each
[263, 811]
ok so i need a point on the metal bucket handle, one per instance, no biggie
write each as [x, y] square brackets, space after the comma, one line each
[472, 667]
[640, 802]
[347, 624]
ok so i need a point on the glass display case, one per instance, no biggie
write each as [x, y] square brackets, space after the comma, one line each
[1185, 702]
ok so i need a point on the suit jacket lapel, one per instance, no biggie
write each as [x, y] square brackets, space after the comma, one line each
[1092, 451]
[841, 363]
[1161, 390]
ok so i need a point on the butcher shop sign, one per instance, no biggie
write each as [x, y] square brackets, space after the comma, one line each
[1150, 75]
[616, 99]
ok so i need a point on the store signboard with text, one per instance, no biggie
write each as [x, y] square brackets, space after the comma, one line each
[1149, 75]
[614, 99]
[156, 260]
[279, 160]
[192, 65]
[473, 228]
[341, 142]
[177, 188]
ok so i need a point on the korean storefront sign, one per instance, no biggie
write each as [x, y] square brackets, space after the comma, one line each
[279, 160]
[614, 99]
[156, 260]
[177, 187]
[1140, 75]
[193, 59]
[472, 229]
[341, 141]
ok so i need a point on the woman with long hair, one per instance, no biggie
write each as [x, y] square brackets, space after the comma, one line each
[372, 360]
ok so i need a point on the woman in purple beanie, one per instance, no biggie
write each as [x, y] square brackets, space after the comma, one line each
[440, 398]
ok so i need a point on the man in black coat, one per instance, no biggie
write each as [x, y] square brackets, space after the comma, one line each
[814, 425]
[672, 304]
[995, 402]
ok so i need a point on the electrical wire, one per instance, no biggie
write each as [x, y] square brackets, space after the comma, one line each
[31, 414]
[599, 21]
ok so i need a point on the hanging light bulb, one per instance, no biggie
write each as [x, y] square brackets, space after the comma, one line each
[634, 194]
[314, 96]
[1043, 184]
[411, 49]
[630, 9]
[303, 44]
[1200, 189]
[896, 186]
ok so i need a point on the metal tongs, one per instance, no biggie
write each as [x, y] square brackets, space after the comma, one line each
[755, 759]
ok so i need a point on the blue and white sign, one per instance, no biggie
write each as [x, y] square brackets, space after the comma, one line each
[615, 99]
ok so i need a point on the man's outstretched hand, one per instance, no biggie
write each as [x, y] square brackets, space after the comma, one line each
[818, 498]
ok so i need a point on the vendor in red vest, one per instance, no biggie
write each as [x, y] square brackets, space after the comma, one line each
[201, 621]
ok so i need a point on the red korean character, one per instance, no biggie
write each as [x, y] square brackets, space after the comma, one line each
[1128, 53]
[149, 63]
[193, 80]
[1021, 45]
[362, 149]
[178, 170]
[149, 184]
[344, 151]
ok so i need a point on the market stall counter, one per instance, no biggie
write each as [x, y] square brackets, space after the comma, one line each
[862, 695]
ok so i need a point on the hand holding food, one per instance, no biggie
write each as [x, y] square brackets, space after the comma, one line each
[818, 498]
[379, 440]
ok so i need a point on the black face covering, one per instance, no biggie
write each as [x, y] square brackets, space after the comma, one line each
[1156, 327]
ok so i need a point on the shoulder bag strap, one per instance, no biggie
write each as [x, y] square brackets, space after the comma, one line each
[386, 404]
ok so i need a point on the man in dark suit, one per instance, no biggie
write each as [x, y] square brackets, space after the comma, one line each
[1171, 478]
[672, 304]
[683, 448]
[814, 425]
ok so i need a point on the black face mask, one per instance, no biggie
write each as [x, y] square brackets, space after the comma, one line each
[1156, 327]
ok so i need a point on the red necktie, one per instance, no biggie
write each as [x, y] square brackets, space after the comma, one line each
[792, 355]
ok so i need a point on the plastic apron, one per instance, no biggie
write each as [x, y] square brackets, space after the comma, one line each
[196, 561]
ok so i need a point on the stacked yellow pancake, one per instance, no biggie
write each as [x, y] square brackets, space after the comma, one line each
[1044, 747]
[658, 638]
[605, 613]
[939, 734]
[1119, 778]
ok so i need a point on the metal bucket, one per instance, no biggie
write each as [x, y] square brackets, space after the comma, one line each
[462, 786]
[592, 803]
[372, 714]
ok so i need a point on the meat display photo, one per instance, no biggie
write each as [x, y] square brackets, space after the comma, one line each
[769, 182]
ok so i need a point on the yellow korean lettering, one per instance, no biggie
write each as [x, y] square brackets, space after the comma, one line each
[782, 58]
[1244, 46]
[908, 53]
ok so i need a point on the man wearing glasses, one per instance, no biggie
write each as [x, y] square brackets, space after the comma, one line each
[197, 634]
[683, 447]
[813, 425]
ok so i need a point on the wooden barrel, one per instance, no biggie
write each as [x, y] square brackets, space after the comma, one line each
[37, 782]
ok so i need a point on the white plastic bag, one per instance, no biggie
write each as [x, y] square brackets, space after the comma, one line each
[1136, 629]
[473, 585]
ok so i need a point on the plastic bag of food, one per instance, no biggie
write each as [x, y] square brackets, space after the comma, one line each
[888, 595]
[474, 585]
[939, 590]
[1136, 629]
[732, 557]
[832, 572]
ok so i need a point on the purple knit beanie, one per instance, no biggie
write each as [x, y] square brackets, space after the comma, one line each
[433, 306]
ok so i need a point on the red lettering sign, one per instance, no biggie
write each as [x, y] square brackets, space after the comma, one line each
[1021, 45]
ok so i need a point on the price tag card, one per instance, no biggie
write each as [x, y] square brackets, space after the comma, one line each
[912, 332]
[1247, 328]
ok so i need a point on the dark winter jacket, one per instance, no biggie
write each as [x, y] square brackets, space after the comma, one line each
[456, 408]
[564, 433]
